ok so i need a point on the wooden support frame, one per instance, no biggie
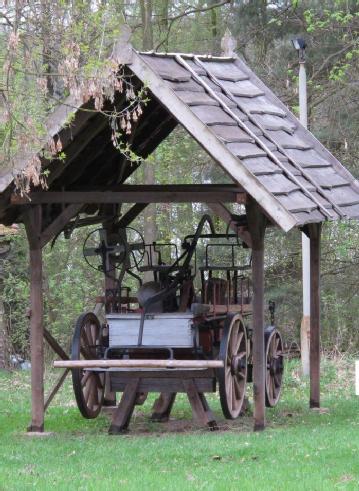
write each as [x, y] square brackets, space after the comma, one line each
[59, 223]
[257, 225]
[200, 408]
[122, 415]
[61, 379]
[132, 213]
[315, 248]
[162, 407]
[156, 193]
[33, 231]
[55, 345]
[56, 388]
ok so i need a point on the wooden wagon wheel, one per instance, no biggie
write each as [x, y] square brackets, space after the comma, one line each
[89, 386]
[274, 367]
[232, 378]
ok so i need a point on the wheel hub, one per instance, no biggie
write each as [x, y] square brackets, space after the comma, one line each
[275, 366]
[238, 363]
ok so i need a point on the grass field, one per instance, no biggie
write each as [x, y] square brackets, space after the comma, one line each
[300, 450]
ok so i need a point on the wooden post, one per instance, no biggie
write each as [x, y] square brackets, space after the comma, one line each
[256, 226]
[162, 407]
[315, 236]
[111, 286]
[33, 230]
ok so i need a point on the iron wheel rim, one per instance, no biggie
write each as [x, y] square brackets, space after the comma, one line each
[274, 368]
[232, 378]
[89, 386]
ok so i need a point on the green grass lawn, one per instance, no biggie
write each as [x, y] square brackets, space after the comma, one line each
[300, 450]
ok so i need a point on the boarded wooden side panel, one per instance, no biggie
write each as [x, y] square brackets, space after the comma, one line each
[161, 330]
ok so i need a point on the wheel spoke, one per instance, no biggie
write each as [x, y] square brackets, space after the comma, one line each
[233, 339]
[274, 391]
[86, 389]
[237, 388]
[230, 391]
[238, 343]
[93, 334]
[86, 340]
[277, 340]
[241, 375]
[85, 378]
[91, 401]
[86, 353]
[98, 381]
[272, 346]
[87, 329]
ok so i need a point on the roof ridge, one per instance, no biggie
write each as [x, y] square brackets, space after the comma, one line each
[186, 55]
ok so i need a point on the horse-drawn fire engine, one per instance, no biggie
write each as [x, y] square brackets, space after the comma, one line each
[187, 330]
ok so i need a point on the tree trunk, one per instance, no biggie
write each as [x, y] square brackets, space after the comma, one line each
[147, 30]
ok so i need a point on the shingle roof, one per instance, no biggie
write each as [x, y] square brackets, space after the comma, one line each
[232, 115]
[264, 136]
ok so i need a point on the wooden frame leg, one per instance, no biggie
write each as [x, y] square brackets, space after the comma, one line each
[109, 397]
[162, 407]
[256, 225]
[56, 388]
[122, 415]
[200, 408]
[315, 240]
[33, 230]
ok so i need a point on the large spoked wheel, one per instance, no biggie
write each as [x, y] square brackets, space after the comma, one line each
[232, 378]
[274, 367]
[89, 386]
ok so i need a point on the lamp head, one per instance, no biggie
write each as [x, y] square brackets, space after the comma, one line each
[299, 44]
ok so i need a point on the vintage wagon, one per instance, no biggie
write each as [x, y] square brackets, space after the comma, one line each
[167, 339]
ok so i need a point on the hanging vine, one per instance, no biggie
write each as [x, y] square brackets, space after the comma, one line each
[51, 50]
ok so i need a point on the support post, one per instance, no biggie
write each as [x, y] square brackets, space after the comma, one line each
[315, 240]
[256, 226]
[111, 286]
[305, 324]
[33, 230]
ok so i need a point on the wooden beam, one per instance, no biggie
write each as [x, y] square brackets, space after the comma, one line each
[222, 211]
[315, 243]
[211, 144]
[122, 415]
[59, 223]
[257, 225]
[33, 230]
[55, 345]
[131, 214]
[139, 194]
[138, 363]
[91, 130]
[200, 409]
[56, 388]
[162, 407]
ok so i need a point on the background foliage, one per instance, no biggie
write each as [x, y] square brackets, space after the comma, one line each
[263, 30]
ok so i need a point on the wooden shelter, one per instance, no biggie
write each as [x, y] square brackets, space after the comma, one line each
[280, 172]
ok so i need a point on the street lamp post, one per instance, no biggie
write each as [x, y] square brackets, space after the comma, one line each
[299, 44]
